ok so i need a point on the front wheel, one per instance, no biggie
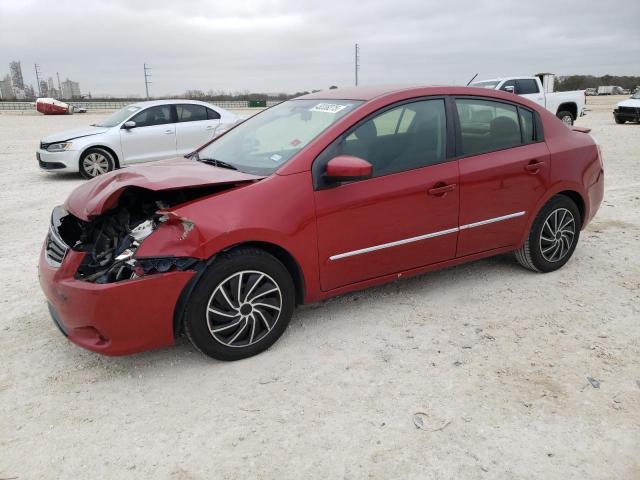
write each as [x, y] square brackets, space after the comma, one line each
[566, 117]
[96, 161]
[553, 236]
[241, 305]
[619, 121]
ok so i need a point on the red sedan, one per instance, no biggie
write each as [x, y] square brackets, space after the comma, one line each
[328, 193]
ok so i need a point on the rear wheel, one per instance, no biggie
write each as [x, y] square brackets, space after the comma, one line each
[553, 236]
[96, 161]
[241, 305]
[566, 117]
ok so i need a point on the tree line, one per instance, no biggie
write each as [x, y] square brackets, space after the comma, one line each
[582, 82]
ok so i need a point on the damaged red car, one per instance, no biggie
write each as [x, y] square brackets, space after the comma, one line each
[317, 196]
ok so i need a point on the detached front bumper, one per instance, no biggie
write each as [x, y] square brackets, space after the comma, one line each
[115, 318]
[66, 161]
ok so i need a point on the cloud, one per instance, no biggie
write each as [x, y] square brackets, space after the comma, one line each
[292, 45]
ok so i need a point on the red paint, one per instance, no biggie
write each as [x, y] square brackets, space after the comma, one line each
[101, 193]
[284, 210]
[497, 184]
[382, 210]
[346, 166]
[113, 319]
[50, 106]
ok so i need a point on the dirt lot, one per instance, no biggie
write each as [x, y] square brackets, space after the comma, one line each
[501, 353]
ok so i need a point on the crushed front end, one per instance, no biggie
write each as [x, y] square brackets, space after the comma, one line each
[100, 295]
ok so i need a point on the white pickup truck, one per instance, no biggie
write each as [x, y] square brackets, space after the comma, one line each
[566, 105]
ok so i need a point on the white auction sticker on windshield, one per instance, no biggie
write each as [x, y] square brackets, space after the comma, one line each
[328, 107]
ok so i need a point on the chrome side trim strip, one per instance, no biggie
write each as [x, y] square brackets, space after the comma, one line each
[424, 237]
[491, 220]
[393, 244]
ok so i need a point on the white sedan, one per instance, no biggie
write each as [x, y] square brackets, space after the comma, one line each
[141, 132]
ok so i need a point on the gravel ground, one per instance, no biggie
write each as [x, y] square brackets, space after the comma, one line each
[496, 356]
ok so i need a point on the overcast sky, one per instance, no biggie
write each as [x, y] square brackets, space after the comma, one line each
[294, 45]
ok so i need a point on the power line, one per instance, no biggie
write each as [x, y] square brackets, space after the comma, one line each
[146, 79]
[357, 62]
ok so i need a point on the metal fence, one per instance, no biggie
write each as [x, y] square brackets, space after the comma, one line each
[23, 106]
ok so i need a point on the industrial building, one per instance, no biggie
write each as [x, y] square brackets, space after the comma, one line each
[70, 89]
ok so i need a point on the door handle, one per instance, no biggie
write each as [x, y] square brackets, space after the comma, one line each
[211, 127]
[534, 166]
[168, 132]
[441, 188]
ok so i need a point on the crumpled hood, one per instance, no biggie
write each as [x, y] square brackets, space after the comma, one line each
[101, 193]
[71, 134]
[631, 102]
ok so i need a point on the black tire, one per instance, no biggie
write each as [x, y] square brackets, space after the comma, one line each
[214, 305]
[566, 116]
[619, 121]
[537, 251]
[95, 162]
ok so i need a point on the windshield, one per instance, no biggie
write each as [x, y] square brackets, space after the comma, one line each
[486, 84]
[118, 117]
[266, 141]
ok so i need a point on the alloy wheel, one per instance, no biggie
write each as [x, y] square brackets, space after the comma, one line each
[244, 308]
[557, 235]
[95, 164]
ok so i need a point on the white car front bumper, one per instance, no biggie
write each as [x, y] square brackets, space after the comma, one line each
[66, 161]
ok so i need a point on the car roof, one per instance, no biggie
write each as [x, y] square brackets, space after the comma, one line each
[151, 103]
[383, 92]
[357, 93]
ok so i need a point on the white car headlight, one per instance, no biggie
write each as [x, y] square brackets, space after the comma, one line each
[59, 147]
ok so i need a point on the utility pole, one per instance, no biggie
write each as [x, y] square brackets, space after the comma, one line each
[59, 87]
[357, 62]
[147, 74]
[38, 78]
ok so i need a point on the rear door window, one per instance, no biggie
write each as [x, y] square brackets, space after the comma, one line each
[527, 86]
[191, 113]
[487, 125]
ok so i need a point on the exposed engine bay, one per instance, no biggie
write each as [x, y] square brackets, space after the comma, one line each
[111, 240]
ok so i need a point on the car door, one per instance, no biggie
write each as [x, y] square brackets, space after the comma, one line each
[196, 126]
[152, 138]
[504, 171]
[406, 215]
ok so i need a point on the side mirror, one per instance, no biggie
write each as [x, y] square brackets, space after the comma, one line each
[510, 89]
[344, 168]
[129, 124]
